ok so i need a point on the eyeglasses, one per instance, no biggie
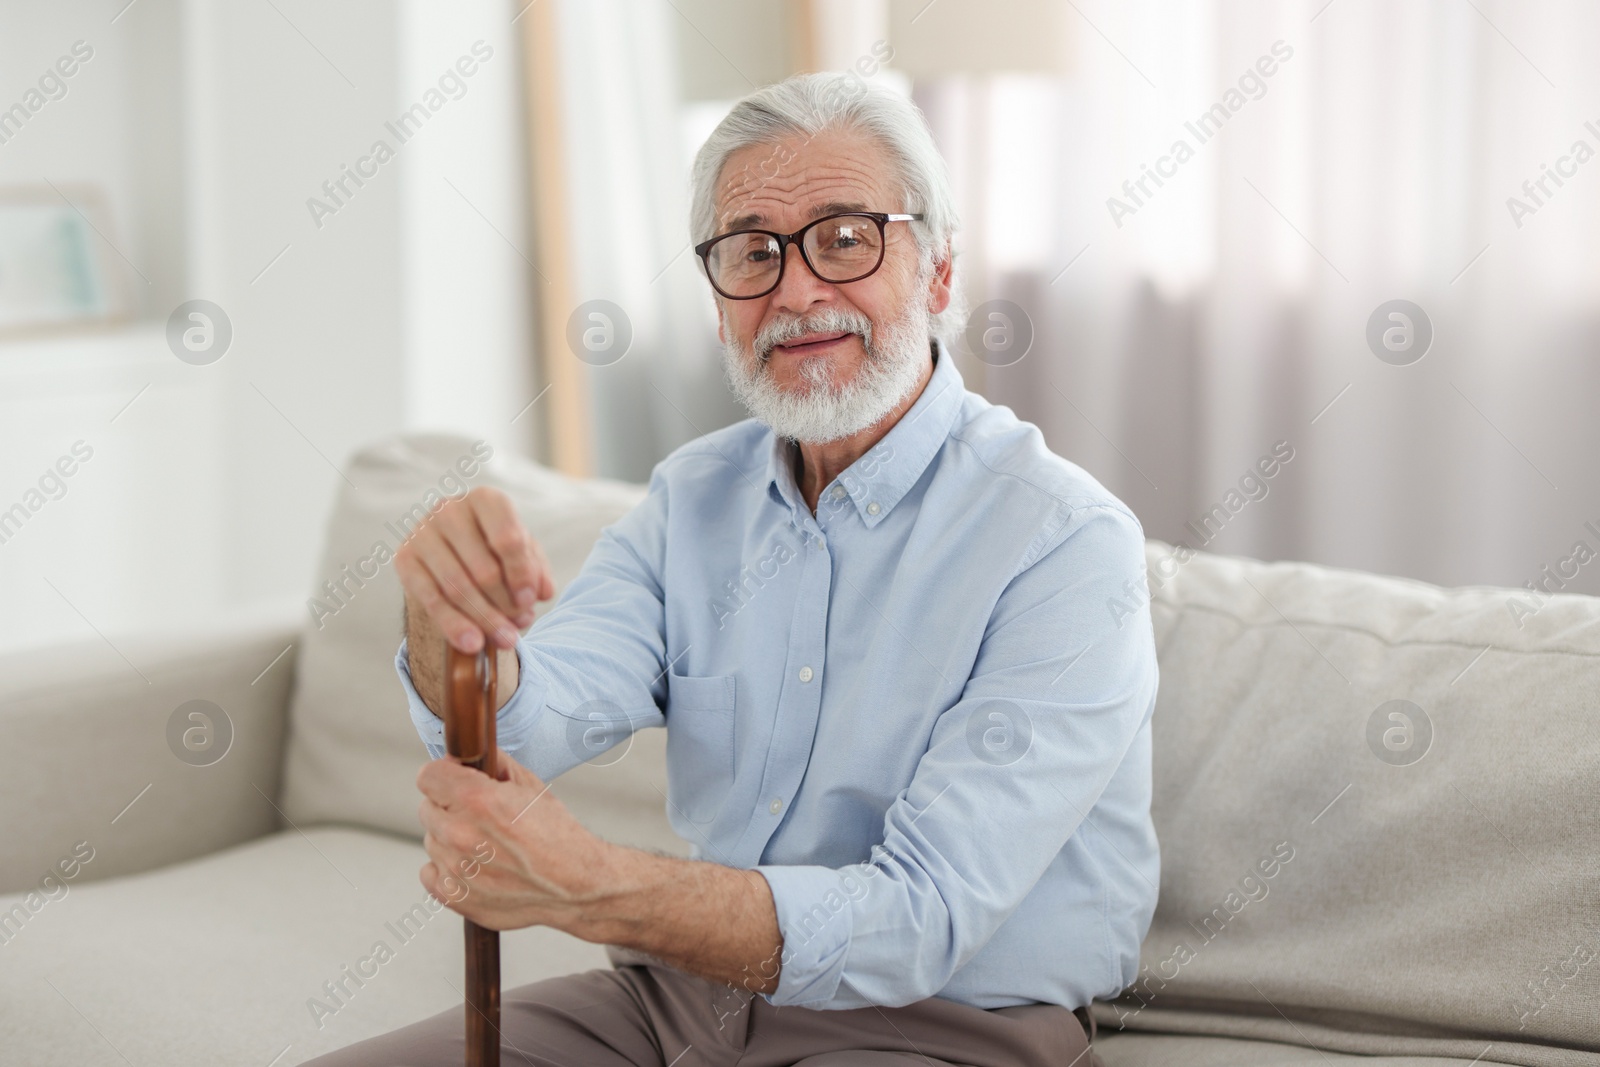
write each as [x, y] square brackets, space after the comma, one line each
[846, 247]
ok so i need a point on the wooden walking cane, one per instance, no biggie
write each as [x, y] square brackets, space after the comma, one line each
[469, 695]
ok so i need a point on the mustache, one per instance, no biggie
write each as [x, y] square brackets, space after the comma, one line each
[784, 330]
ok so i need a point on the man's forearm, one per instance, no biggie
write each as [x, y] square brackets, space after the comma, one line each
[703, 918]
[425, 656]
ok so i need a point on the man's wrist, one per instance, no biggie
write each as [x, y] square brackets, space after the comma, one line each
[613, 905]
[713, 921]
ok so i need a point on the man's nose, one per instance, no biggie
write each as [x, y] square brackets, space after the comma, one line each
[799, 289]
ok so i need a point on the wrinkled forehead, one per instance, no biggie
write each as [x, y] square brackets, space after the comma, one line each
[783, 184]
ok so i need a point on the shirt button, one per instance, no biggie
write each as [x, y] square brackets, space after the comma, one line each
[838, 492]
[776, 806]
[806, 674]
[873, 508]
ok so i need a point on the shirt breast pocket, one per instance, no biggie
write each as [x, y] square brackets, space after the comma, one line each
[700, 744]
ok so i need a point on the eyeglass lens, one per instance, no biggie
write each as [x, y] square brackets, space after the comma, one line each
[839, 249]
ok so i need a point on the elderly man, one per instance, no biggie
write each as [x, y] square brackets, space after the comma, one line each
[900, 650]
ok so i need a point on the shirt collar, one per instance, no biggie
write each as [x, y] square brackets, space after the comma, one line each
[878, 480]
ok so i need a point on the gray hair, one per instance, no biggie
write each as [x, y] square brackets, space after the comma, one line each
[809, 104]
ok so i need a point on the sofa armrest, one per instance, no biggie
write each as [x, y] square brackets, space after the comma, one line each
[86, 753]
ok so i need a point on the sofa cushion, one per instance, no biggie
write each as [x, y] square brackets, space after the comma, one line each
[1170, 1050]
[1344, 871]
[220, 960]
[224, 960]
[353, 753]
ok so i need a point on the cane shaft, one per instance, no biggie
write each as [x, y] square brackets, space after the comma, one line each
[483, 995]
[469, 734]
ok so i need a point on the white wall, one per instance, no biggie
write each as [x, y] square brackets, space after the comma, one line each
[466, 252]
[136, 530]
[210, 124]
[316, 366]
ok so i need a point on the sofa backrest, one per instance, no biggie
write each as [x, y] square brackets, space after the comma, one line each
[1378, 803]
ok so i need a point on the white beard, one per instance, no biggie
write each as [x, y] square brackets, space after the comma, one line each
[894, 363]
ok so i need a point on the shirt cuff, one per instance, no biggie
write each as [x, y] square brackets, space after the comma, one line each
[513, 724]
[814, 916]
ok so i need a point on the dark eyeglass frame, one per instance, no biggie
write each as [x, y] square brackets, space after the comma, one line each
[797, 238]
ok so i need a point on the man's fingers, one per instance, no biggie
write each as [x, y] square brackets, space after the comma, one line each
[547, 583]
[459, 630]
[457, 587]
[459, 528]
[428, 875]
[473, 566]
[442, 780]
[523, 566]
[437, 853]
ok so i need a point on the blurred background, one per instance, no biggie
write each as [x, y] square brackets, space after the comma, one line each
[240, 240]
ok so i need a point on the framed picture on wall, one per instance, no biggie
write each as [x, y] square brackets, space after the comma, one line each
[58, 270]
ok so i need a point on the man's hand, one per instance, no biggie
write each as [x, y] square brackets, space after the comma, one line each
[471, 572]
[505, 854]
[508, 854]
[475, 570]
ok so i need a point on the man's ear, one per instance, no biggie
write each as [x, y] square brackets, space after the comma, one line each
[939, 285]
[722, 325]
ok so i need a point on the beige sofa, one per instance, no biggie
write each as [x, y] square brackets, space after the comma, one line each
[183, 890]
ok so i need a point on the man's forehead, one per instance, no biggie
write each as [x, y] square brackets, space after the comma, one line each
[816, 211]
[821, 176]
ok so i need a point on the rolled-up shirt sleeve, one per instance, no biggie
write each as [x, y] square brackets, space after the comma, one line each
[1065, 677]
[513, 722]
[592, 670]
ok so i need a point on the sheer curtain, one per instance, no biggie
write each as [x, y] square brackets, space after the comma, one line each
[627, 184]
[1186, 329]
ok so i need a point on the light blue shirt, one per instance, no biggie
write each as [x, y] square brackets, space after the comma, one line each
[922, 714]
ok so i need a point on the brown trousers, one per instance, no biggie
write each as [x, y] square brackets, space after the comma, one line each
[637, 1014]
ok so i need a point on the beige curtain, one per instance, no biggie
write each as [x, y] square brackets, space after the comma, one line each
[1179, 342]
